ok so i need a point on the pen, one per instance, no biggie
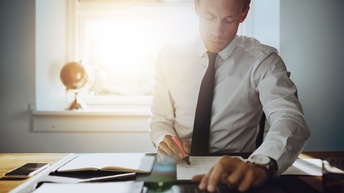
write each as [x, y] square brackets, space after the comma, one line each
[116, 177]
[179, 144]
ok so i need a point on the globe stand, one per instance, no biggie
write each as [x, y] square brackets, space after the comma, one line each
[77, 104]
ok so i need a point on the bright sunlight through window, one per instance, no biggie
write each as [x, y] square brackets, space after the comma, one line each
[120, 40]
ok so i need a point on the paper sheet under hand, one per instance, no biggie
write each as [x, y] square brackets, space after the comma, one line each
[199, 165]
[202, 164]
[305, 166]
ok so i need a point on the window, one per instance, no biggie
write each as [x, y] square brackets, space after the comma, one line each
[117, 39]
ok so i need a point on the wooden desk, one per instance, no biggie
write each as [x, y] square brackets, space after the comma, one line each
[9, 161]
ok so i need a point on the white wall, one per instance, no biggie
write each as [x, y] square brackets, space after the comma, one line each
[312, 39]
[264, 23]
[311, 45]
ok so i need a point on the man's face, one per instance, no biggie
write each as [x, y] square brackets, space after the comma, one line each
[219, 21]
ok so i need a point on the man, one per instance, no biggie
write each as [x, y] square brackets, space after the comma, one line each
[251, 79]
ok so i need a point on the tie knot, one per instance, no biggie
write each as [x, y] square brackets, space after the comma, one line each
[211, 56]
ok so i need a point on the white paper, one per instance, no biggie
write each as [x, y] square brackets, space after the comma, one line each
[199, 165]
[109, 187]
[202, 164]
[305, 166]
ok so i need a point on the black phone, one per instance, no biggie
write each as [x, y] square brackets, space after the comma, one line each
[27, 170]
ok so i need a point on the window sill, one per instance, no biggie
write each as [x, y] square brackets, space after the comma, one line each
[92, 119]
[137, 110]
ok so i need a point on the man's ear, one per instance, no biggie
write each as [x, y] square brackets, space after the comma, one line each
[244, 14]
[197, 7]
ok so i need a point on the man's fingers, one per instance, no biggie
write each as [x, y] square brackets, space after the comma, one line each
[237, 174]
[202, 179]
[254, 177]
[223, 166]
[204, 184]
[197, 178]
[247, 181]
[186, 145]
[167, 150]
[246, 176]
[234, 172]
[164, 147]
[174, 152]
[171, 148]
[213, 180]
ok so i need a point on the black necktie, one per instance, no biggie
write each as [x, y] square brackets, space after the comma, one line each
[200, 136]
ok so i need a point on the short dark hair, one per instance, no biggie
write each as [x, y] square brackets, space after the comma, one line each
[246, 4]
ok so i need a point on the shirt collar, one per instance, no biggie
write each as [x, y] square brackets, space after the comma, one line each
[224, 54]
[202, 50]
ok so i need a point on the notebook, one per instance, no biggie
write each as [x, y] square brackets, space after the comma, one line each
[117, 162]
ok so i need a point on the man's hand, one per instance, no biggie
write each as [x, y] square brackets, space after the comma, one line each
[234, 172]
[168, 151]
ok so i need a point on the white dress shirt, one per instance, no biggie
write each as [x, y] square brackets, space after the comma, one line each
[250, 78]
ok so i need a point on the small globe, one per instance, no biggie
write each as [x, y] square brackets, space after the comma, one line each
[74, 76]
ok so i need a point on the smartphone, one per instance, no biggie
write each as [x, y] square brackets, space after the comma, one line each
[27, 170]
